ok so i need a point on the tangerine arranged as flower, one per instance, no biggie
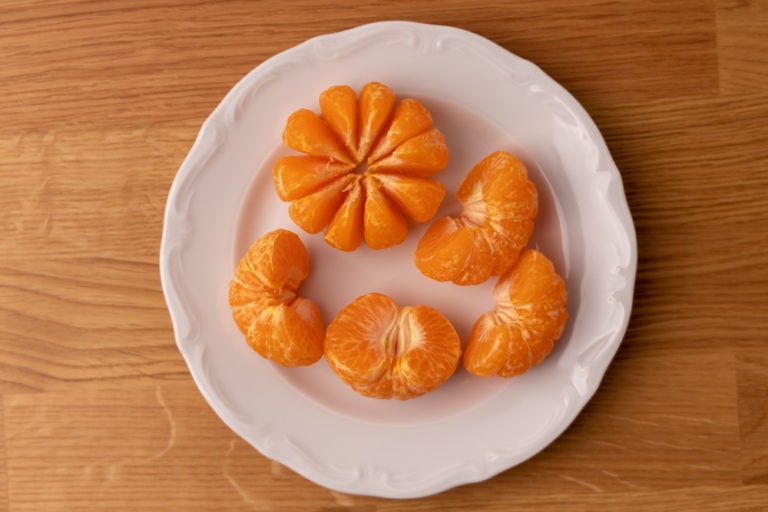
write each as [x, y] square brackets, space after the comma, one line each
[529, 317]
[365, 168]
[499, 207]
[277, 323]
[384, 351]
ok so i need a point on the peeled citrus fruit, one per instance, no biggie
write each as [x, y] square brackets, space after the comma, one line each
[277, 323]
[529, 317]
[384, 351]
[499, 207]
[365, 167]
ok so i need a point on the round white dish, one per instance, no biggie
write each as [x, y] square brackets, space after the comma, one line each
[483, 98]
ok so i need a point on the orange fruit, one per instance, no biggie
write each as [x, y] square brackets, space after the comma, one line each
[277, 323]
[384, 351]
[499, 207]
[529, 317]
[365, 168]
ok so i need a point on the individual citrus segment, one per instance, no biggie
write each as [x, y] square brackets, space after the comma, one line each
[496, 175]
[296, 176]
[418, 198]
[288, 333]
[428, 351]
[315, 211]
[356, 138]
[499, 205]
[385, 351]
[338, 106]
[488, 351]
[245, 312]
[452, 251]
[529, 317]
[278, 324]
[346, 229]
[383, 224]
[275, 261]
[308, 133]
[355, 341]
[422, 155]
[445, 249]
[375, 106]
[411, 118]
[480, 262]
[498, 187]
[507, 238]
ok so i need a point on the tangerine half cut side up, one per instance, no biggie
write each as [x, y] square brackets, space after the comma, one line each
[277, 323]
[365, 167]
[499, 205]
[529, 317]
[385, 351]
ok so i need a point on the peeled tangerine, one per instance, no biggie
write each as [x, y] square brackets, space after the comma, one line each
[384, 351]
[499, 207]
[529, 317]
[365, 168]
[277, 323]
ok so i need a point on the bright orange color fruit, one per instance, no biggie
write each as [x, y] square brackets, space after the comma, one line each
[384, 351]
[529, 317]
[365, 168]
[499, 207]
[277, 323]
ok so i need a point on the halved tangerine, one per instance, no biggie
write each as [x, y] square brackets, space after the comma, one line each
[385, 351]
[365, 168]
[277, 323]
[499, 204]
[529, 317]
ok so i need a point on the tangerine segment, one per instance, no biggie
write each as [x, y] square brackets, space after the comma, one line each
[453, 251]
[495, 177]
[356, 344]
[275, 262]
[423, 155]
[444, 250]
[529, 317]
[418, 198]
[289, 334]
[338, 106]
[308, 133]
[277, 323]
[428, 353]
[375, 103]
[296, 176]
[346, 229]
[508, 238]
[384, 351]
[383, 224]
[410, 119]
[499, 207]
[313, 212]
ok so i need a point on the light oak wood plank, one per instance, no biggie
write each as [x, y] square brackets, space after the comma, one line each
[83, 321]
[172, 61]
[3, 460]
[96, 193]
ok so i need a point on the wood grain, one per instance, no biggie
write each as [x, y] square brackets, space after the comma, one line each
[100, 102]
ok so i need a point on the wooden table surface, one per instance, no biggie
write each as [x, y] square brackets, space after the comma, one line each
[100, 102]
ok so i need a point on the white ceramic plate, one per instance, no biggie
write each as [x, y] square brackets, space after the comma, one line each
[483, 98]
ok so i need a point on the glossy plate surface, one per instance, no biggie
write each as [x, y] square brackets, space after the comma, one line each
[483, 99]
